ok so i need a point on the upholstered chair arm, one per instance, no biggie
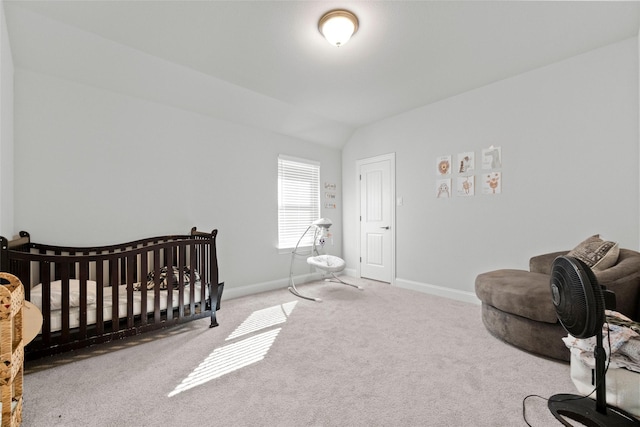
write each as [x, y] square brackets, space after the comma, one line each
[624, 279]
[627, 267]
[543, 263]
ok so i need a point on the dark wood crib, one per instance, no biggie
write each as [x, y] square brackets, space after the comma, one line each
[90, 295]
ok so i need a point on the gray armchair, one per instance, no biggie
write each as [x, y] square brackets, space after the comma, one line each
[517, 307]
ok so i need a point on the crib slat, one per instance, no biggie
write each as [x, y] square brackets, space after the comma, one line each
[113, 283]
[202, 265]
[169, 263]
[144, 269]
[64, 278]
[181, 280]
[192, 289]
[131, 265]
[100, 297]
[84, 276]
[156, 287]
[45, 280]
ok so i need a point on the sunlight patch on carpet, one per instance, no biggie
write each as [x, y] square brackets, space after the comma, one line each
[242, 353]
[228, 359]
[262, 319]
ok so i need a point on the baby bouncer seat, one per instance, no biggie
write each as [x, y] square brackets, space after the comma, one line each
[328, 263]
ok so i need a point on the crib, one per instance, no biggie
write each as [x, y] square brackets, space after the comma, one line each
[90, 295]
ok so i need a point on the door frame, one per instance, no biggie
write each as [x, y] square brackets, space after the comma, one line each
[391, 157]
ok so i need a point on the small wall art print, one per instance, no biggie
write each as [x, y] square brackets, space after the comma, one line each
[443, 188]
[465, 186]
[466, 162]
[492, 158]
[330, 186]
[330, 195]
[492, 183]
[443, 165]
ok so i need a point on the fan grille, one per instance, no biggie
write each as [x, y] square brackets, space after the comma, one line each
[577, 297]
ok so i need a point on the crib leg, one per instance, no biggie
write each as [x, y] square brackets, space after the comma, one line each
[214, 322]
[216, 307]
[219, 297]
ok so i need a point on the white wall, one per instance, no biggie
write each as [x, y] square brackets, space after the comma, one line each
[569, 138]
[106, 157]
[97, 167]
[6, 130]
[89, 163]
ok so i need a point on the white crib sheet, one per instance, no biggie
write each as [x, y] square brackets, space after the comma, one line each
[74, 312]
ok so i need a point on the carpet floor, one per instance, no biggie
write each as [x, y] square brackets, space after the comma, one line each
[383, 356]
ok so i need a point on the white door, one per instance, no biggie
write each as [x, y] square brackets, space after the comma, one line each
[377, 218]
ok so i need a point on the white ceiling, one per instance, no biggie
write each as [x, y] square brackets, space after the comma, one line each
[266, 65]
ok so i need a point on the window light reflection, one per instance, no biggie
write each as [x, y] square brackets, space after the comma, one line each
[264, 318]
[228, 359]
[242, 353]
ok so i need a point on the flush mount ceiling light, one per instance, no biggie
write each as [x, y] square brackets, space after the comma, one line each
[337, 26]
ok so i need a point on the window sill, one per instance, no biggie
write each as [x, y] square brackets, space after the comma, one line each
[287, 251]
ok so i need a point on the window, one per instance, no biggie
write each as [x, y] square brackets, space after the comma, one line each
[298, 200]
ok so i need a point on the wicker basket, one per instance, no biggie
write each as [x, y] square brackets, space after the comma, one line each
[11, 349]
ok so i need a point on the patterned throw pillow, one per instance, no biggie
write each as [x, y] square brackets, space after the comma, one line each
[173, 279]
[596, 253]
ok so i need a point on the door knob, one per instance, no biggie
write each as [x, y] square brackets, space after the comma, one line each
[386, 228]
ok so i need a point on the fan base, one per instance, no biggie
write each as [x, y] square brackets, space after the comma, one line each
[583, 410]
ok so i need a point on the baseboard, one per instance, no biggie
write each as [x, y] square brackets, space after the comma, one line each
[438, 290]
[351, 272]
[241, 291]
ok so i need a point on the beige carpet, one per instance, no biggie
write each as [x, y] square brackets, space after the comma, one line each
[379, 357]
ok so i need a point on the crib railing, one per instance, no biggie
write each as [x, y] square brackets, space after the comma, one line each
[126, 270]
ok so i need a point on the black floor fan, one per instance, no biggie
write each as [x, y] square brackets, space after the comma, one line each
[580, 303]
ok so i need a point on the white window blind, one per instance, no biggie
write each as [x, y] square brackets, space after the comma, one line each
[298, 200]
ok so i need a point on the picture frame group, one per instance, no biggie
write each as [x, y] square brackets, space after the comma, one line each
[460, 178]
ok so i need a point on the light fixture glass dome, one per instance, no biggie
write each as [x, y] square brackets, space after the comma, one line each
[338, 26]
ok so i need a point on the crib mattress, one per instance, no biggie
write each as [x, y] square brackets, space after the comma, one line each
[74, 312]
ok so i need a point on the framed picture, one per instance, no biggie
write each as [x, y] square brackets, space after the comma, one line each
[492, 158]
[443, 188]
[492, 183]
[466, 162]
[443, 165]
[465, 186]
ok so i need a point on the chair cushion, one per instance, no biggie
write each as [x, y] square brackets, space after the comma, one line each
[330, 263]
[519, 292]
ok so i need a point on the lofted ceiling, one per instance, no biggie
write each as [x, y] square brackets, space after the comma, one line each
[264, 63]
